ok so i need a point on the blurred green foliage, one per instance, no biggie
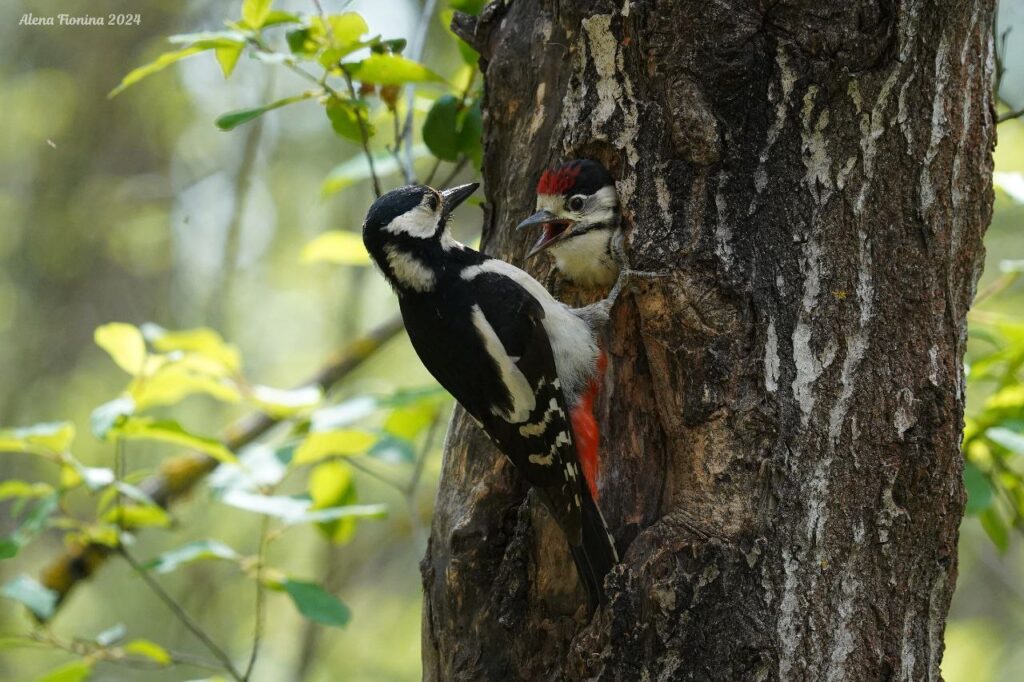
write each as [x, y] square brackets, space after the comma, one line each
[203, 241]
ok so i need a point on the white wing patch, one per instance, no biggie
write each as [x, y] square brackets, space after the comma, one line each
[523, 399]
[543, 460]
[408, 269]
[572, 342]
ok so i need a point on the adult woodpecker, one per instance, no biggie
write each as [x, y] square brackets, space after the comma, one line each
[578, 208]
[512, 355]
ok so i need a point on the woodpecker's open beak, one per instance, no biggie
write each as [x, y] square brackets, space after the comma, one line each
[555, 228]
[454, 196]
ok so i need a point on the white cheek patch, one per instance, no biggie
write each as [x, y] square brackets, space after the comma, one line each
[420, 222]
[408, 270]
[601, 207]
[523, 399]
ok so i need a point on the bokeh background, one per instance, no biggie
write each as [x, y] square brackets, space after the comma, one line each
[139, 209]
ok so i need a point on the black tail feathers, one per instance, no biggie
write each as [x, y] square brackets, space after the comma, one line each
[595, 555]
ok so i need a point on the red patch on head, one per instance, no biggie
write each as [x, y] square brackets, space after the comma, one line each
[559, 180]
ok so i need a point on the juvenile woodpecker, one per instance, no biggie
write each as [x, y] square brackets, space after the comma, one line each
[578, 208]
[512, 355]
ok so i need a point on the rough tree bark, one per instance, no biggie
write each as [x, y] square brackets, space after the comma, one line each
[782, 416]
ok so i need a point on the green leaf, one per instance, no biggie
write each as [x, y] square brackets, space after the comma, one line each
[233, 119]
[295, 510]
[995, 528]
[199, 550]
[979, 491]
[200, 340]
[227, 57]
[40, 438]
[316, 604]
[148, 649]
[125, 345]
[345, 116]
[331, 485]
[138, 516]
[111, 635]
[208, 39]
[1011, 440]
[167, 431]
[24, 489]
[280, 403]
[159, 64]
[341, 35]
[302, 41]
[440, 129]
[38, 599]
[468, 6]
[175, 381]
[357, 169]
[471, 129]
[469, 55]
[255, 12]
[390, 69]
[342, 442]
[338, 247]
[75, 671]
[278, 16]
[278, 506]
[393, 450]
[343, 414]
[110, 414]
[9, 547]
[259, 465]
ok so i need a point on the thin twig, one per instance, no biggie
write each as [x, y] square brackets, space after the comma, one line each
[356, 464]
[1009, 116]
[220, 293]
[182, 615]
[999, 285]
[414, 481]
[415, 54]
[114, 654]
[364, 134]
[258, 622]
[433, 171]
[119, 465]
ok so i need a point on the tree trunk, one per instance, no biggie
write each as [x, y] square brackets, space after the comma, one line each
[782, 415]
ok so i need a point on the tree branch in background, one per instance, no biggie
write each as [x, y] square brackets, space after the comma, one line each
[182, 615]
[363, 133]
[179, 475]
[220, 295]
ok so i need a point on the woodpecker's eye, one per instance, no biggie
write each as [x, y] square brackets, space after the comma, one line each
[576, 203]
[432, 202]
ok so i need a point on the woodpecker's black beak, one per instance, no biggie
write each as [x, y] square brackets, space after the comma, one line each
[454, 196]
[555, 228]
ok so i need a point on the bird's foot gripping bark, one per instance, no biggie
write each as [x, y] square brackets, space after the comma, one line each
[625, 271]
